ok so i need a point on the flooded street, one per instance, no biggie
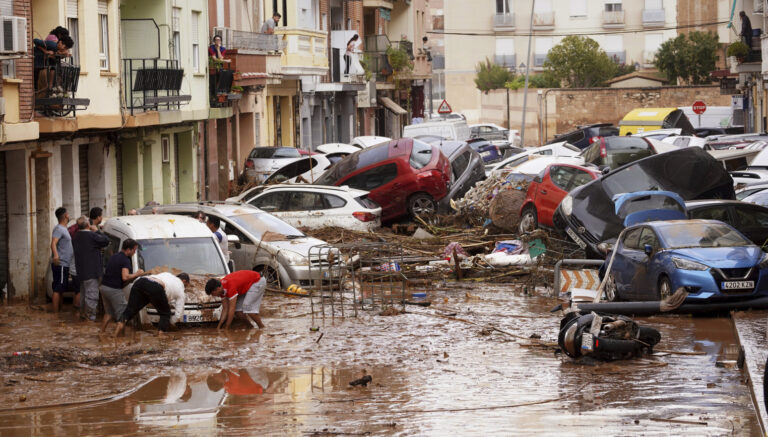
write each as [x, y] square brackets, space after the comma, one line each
[435, 371]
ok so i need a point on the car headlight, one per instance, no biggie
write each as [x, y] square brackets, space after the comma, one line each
[567, 205]
[686, 264]
[764, 261]
[294, 258]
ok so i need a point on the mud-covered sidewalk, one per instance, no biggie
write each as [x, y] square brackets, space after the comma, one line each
[480, 361]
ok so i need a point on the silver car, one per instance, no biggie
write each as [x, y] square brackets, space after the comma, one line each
[260, 241]
[263, 161]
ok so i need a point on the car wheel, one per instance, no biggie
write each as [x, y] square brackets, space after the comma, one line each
[665, 288]
[611, 291]
[529, 221]
[273, 280]
[421, 205]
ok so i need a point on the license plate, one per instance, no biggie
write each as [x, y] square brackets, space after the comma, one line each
[576, 238]
[587, 344]
[738, 285]
[192, 318]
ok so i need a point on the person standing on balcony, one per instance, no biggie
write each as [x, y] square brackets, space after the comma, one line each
[746, 30]
[351, 46]
[216, 50]
[269, 26]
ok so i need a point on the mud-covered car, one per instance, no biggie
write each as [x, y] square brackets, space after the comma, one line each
[175, 244]
[262, 242]
[466, 170]
[587, 214]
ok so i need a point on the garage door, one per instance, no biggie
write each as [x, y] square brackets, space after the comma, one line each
[84, 194]
[3, 224]
[119, 173]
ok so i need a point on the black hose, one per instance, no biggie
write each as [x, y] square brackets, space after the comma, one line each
[647, 308]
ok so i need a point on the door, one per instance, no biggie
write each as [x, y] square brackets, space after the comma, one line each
[386, 188]
[243, 253]
[4, 272]
[753, 223]
[623, 268]
[551, 190]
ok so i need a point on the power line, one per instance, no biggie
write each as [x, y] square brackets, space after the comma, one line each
[545, 33]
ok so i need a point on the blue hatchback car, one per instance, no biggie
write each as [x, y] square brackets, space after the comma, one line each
[712, 260]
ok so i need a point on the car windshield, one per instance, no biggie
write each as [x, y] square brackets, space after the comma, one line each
[261, 224]
[353, 162]
[682, 235]
[421, 154]
[197, 256]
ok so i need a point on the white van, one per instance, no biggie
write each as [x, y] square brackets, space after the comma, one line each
[456, 129]
[176, 244]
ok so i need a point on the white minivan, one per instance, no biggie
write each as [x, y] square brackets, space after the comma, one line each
[175, 244]
[454, 129]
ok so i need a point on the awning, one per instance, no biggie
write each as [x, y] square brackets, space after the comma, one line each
[392, 106]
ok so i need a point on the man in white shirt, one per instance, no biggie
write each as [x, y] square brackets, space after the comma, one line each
[160, 290]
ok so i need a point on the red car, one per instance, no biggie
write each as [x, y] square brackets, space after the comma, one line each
[547, 190]
[405, 176]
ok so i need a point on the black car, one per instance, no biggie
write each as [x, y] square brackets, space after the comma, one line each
[586, 135]
[587, 214]
[750, 219]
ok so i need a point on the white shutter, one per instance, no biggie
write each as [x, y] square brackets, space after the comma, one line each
[543, 45]
[195, 27]
[103, 10]
[542, 6]
[613, 43]
[6, 7]
[578, 8]
[653, 4]
[505, 46]
[72, 8]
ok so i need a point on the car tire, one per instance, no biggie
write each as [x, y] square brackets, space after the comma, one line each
[529, 220]
[611, 291]
[664, 289]
[273, 280]
[422, 205]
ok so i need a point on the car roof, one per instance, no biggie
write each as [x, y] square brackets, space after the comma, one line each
[309, 187]
[705, 202]
[227, 209]
[145, 227]
[591, 169]
[667, 223]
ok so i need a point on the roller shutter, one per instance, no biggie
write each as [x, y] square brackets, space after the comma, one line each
[84, 194]
[3, 224]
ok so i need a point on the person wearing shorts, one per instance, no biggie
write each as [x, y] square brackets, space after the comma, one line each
[241, 293]
[119, 272]
[62, 257]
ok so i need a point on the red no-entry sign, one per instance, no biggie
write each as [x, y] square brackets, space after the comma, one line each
[699, 107]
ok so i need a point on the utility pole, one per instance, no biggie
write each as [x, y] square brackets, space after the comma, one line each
[527, 74]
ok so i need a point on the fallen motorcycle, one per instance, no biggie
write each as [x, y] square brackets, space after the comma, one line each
[604, 337]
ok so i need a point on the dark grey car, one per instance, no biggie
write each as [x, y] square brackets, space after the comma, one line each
[466, 170]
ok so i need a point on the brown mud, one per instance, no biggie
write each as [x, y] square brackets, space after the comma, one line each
[479, 361]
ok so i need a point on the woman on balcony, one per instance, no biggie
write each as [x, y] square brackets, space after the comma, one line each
[350, 55]
[216, 50]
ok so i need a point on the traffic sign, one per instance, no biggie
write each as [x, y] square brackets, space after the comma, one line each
[699, 107]
[444, 108]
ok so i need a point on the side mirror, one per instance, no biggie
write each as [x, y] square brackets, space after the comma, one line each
[231, 265]
[605, 169]
[648, 249]
[234, 239]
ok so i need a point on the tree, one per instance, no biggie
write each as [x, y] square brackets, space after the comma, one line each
[492, 76]
[688, 59]
[579, 62]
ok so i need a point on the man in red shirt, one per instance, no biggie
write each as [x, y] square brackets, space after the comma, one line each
[240, 293]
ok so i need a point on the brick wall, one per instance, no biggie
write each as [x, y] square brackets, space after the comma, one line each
[24, 66]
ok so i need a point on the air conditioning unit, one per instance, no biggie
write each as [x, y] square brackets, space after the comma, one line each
[13, 35]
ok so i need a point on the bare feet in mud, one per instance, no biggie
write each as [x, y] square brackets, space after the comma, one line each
[119, 329]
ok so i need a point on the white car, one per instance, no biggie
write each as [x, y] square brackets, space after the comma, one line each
[318, 206]
[555, 149]
[683, 141]
[743, 193]
[743, 178]
[659, 134]
[495, 133]
[304, 170]
[367, 141]
[535, 164]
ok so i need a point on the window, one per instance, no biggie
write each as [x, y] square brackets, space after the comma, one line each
[648, 237]
[459, 165]
[220, 13]
[613, 6]
[580, 179]
[613, 43]
[305, 201]
[578, 8]
[653, 4]
[560, 176]
[72, 25]
[103, 35]
[652, 43]
[176, 28]
[332, 201]
[632, 238]
[373, 178]
[751, 217]
[502, 7]
[421, 154]
[9, 68]
[271, 202]
[196, 41]
[230, 229]
[712, 213]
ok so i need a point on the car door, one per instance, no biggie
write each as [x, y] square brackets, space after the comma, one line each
[648, 269]
[385, 187]
[458, 168]
[243, 253]
[624, 263]
[335, 212]
[305, 209]
[552, 190]
[752, 222]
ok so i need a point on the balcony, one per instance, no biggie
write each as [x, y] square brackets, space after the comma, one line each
[503, 21]
[612, 19]
[618, 57]
[544, 20]
[55, 89]
[305, 52]
[438, 62]
[249, 41]
[386, 4]
[376, 54]
[152, 85]
[340, 71]
[508, 61]
[653, 17]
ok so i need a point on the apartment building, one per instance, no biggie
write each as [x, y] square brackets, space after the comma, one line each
[629, 31]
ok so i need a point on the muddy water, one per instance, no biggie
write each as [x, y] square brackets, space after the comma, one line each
[430, 376]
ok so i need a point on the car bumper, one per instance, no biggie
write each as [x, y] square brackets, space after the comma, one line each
[307, 276]
[193, 313]
[706, 286]
[574, 230]
[257, 175]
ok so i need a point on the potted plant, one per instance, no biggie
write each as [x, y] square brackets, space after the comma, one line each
[738, 50]
[237, 89]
